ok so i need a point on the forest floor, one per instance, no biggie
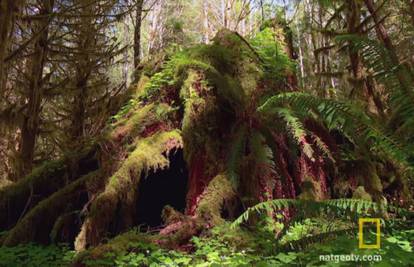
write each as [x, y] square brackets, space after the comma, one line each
[225, 247]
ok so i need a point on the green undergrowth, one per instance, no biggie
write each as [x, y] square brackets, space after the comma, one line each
[275, 61]
[222, 246]
[32, 255]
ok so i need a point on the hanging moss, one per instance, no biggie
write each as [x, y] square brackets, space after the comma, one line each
[200, 116]
[141, 118]
[360, 193]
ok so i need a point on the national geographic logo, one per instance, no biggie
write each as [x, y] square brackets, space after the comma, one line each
[377, 222]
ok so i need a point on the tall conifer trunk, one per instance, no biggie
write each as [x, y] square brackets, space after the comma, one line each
[35, 72]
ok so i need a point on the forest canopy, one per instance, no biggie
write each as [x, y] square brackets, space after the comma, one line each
[206, 133]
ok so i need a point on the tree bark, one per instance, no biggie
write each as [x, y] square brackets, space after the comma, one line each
[205, 23]
[8, 11]
[410, 4]
[367, 84]
[86, 39]
[125, 66]
[382, 34]
[30, 127]
[291, 77]
[137, 33]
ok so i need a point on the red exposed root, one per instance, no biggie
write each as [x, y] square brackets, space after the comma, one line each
[290, 191]
[172, 228]
[170, 95]
[278, 191]
[197, 181]
[178, 234]
[323, 134]
[288, 184]
[153, 128]
[314, 169]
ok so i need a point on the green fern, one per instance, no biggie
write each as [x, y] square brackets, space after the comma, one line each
[236, 150]
[354, 123]
[309, 207]
[297, 130]
[396, 78]
[305, 242]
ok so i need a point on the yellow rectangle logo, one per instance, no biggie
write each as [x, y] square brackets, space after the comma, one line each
[377, 221]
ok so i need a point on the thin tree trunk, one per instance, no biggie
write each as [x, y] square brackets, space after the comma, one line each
[155, 32]
[205, 23]
[289, 49]
[262, 11]
[410, 4]
[78, 116]
[381, 32]
[125, 67]
[302, 68]
[137, 33]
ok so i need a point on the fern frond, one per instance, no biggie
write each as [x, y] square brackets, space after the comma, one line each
[236, 150]
[307, 241]
[333, 206]
[397, 79]
[344, 117]
[276, 204]
[323, 147]
[262, 153]
[376, 57]
[297, 130]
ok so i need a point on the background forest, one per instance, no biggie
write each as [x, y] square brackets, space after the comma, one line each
[205, 133]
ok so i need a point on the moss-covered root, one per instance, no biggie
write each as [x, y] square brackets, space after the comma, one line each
[218, 193]
[38, 223]
[113, 209]
[17, 199]
[213, 200]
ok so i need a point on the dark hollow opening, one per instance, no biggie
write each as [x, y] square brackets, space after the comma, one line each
[161, 188]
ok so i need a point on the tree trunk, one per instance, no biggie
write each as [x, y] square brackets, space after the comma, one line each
[8, 11]
[301, 60]
[386, 40]
[290, 51]
[30, 125]
[381, 32]
[125, 66]
[364, 83]
[137, 33]
[86, 39]
[205, 23]
[410, 4]
[78, 116]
